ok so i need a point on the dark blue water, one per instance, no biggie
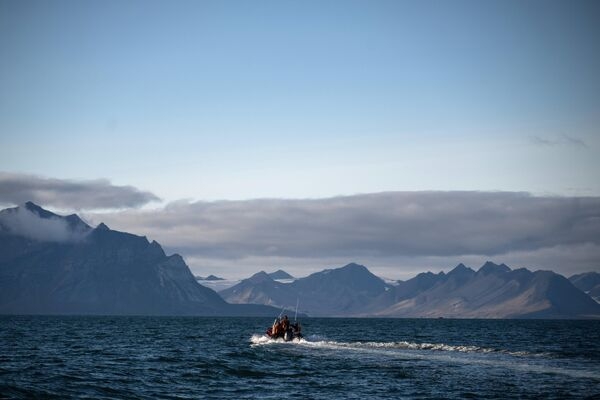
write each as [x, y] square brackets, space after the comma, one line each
[147, 357]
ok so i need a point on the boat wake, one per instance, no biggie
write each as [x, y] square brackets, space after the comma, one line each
[517, 360]
[434, 347]
[319, 341]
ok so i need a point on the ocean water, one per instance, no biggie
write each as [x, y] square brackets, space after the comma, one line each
[187, 358]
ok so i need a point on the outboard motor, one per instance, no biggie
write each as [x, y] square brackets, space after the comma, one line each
[288, 335]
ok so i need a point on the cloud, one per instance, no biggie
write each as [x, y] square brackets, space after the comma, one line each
[563, 140]
[540, 141]
[70, 194]
[369, 226]
[23, 222]
[574, 141]
[567, 260]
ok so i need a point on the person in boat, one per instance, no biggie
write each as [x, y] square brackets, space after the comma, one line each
[275, 331]
[285, 324]
[282, 328]
[296, 328]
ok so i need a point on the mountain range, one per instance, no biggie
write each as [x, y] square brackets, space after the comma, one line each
[51, 264]
[493, 291]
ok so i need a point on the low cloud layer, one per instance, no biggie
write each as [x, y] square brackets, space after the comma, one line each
[70, 194]
[373, 226]
[23, 222]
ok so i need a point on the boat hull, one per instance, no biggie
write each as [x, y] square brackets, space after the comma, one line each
[287, 335]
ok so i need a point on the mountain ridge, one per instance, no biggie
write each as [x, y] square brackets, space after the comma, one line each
[52, 264]
[71, 269]
[493, 291]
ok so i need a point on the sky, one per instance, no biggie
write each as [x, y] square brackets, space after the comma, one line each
[203, 123]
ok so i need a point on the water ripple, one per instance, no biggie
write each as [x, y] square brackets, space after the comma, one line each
[150, 357]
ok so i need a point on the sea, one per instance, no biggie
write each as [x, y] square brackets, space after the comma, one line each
[76, 357]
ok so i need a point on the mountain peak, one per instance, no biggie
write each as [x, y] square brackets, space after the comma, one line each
[280, 274]
[355, 276]
[73, 220]
[460, 273]
[489, 267]
[460, 268]
[30, 205]
[77, 223]
[354, 267]
[102, 227]
[350, 271]
[260, 277]
[34, 222]
[213, 278]
[39, 211]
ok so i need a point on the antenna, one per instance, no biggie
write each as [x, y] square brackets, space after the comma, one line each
[296, 316]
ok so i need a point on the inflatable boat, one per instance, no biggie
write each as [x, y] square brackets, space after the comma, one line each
[283, 329]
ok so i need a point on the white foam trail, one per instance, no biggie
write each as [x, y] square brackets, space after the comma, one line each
[446, 347]
[438, 351]
[319, 341]
[262, 340]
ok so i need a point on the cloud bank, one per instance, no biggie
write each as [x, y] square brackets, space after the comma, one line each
[23, 222]
[70, 194]
[392, 225]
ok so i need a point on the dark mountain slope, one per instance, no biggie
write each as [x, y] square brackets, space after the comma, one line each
[589, 283]
[495, 291]
[340, 291]
[260, 288]
[95, 271]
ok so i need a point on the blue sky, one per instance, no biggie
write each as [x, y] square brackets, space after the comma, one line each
[237, 100]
